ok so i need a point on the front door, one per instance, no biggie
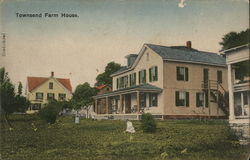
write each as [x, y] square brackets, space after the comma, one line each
[128, 103]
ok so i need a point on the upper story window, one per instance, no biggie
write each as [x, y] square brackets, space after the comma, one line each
[142, 76]
[50, 85]
[153, 74]
[39, 95]
[61, 96]
[182, 98]
[182, 73]
[219, 76]
[122, 82]
[132, 79]
[50, 96]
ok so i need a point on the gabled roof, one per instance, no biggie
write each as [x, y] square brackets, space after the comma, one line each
[184, 54]
[34, 82]
[245, 46]
[181, 54]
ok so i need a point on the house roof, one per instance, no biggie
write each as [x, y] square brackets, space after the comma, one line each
[101, 86]
[183, 54]
[34, 82]
[245, 46]
[141, 87]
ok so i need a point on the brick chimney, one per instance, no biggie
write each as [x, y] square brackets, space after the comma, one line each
[52, 74]
[189, 44]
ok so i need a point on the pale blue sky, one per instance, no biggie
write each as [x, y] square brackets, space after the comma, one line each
[107, 30]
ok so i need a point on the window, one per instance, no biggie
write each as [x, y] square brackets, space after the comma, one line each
[153, 74]
[132, 79]
[61, 96]
[245, 98]
[36, 106]
[142, 76]
[147, 56]
[200, 99]
[39, 95]
[182, 73]
[50, 96]
[122, 82]
[153, 100]
[50, 85]
[219, 76]
[181, 98]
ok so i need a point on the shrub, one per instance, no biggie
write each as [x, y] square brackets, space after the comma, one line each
[148, 124]
[50, 112]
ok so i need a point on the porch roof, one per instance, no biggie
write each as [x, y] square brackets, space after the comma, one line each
[142, 88]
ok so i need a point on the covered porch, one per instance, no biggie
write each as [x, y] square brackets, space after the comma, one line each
[128, 101]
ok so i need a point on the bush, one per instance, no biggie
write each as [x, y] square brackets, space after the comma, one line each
[148, 124]
[50, 112]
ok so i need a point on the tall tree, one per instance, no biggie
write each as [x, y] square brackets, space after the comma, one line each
[7, 95]
[83, 97]
[234, 39]
[20, 88]
[10, 102]
[104, 78]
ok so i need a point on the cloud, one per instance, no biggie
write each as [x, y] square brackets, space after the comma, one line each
[182, 4]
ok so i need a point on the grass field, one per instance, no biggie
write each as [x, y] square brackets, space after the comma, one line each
[33, 139]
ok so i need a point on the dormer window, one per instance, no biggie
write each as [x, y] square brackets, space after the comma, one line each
[50, 85]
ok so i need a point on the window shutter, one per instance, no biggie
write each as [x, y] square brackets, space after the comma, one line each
[177, 98]
[156, 73]
[206, 99]
[145, 79]
[197, 100]
[177, 73]
[130, 80]
[186, 73]
[139, 77]
[150, 74]
[134, 79]
[117, 83]
[187, 99]
[150, 99]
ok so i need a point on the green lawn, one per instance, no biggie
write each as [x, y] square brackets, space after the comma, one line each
[174, 139]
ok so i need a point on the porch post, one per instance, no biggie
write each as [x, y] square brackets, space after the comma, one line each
[124, 104]
[231, 94]
[96, 111]
[242, 103]
[107, 105]
[138, 101]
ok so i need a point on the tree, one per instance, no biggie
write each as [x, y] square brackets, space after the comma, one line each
[51, 111]
[10, 102]
[83, 97]
[104, 78]
[234, 39]
[148, 124]
[20, 88]
[7, 95]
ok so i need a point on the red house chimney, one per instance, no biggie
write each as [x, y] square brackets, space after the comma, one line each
[52, 74]
[189, 44]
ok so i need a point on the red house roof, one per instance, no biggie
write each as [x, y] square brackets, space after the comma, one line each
[34, 82]
[101, 86]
